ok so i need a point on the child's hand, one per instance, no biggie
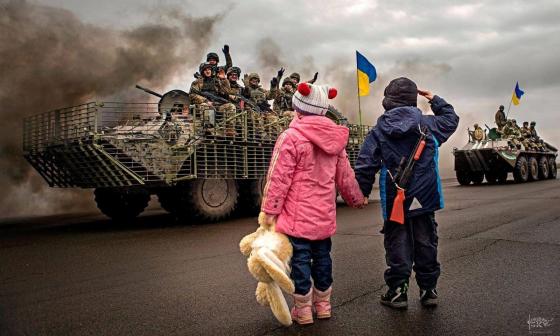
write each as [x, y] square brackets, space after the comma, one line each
[426, 93]
[364, 203]
[270, 219]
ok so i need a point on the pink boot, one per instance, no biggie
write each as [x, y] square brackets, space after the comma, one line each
[301, 311]
[322, 303]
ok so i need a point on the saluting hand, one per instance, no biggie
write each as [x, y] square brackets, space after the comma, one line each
[425, 93]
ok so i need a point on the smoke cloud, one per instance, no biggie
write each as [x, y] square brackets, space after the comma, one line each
[50, 59]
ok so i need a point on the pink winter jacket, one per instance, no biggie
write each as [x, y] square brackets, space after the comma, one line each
[308, 161]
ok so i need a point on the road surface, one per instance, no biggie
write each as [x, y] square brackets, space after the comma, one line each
[85, 275]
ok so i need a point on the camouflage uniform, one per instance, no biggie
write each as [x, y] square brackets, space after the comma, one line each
[283, 101]
[219, 87]
[511, 132]
[526, 136]
[500, 118]
[235, 88]
[533, 130]
[260, 97]
[538, 143]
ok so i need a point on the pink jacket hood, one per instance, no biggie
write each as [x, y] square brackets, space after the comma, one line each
[322, 132]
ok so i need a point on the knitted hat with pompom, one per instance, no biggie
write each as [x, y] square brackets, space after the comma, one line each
[312, 99]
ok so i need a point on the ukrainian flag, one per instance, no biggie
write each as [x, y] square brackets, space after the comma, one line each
[366, 74]
[517, 93]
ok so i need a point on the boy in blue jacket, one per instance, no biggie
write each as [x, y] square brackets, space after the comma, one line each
[412, 245]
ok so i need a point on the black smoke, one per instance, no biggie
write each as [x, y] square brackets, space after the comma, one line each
[49, 59]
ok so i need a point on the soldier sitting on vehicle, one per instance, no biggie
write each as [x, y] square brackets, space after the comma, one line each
[283, 102]
[515, 126]
[525, 131]
[235, 90]
[526, 136]
[477, 134]
[211, 91]
[533, 131]
[213, 59]
[511, 133]
[260, 97]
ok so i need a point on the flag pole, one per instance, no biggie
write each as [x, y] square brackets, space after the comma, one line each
[359, 102]
[507, 114]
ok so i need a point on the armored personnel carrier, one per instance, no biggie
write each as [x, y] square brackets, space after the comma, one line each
[493, 156]
[188, 156]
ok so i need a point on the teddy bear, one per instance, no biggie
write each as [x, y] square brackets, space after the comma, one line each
[269, 254]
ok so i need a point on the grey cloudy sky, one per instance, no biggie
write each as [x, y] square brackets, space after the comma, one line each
[469, 52]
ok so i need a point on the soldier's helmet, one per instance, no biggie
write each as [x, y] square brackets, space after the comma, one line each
[212, 56]
[501, 107]
[253, 75]
[235, 70]
[533, 123]
[525, 123]
[475, 125]
[295, 77]
[513, 121]
[204, 66]
[508, 122]
[289, 81]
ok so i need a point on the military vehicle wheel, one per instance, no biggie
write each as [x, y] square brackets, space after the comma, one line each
[491, 178]
[477, 177]
[502, 177]
[533, 169]
[521, 170]
[121, 204]
[463, 177]
[251, 193]
[553, 169]
[207, 200]
[213, 199]
[544, 172]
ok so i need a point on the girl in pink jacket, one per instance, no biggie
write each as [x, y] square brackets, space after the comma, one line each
[309, 164]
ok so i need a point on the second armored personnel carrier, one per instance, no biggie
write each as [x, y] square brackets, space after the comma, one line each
[493, 157]
[188, 156]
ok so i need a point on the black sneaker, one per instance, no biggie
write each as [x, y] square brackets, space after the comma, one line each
[428, 298]
[396, 298]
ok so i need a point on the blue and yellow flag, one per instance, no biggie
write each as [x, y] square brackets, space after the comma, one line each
[517, 93]
[366, 74]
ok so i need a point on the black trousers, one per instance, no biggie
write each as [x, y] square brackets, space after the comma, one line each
[412, 246]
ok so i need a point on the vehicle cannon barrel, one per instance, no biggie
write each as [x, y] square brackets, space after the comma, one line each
[149, 91]
[174, 101]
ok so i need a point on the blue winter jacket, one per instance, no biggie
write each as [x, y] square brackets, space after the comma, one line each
[394, 137]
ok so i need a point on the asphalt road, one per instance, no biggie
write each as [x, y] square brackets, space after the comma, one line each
[84, 275]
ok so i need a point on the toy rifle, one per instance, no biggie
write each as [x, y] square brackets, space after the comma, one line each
[402, 177]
